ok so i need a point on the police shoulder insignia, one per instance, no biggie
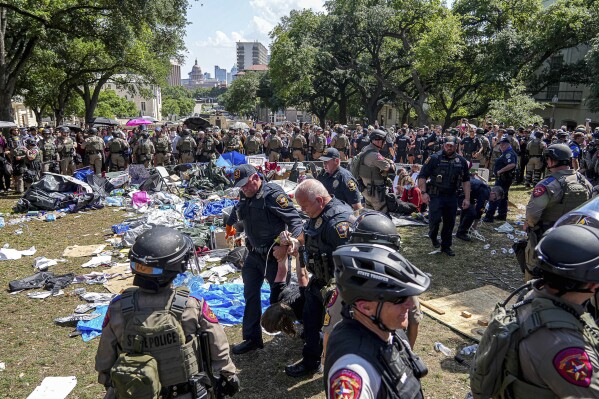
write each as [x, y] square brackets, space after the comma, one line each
[379, 157]
[208, 313]
[282, 201]
[539, 190]
[237, 174]
[342, 229]
[318, 223]
[427, 160]
[333, 298]
[351, 184]
[574, 366]
[106, 319]
[327, 319]
[336, 184]
[345, 384]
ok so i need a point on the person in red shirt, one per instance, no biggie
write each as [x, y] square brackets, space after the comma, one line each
[412, 193]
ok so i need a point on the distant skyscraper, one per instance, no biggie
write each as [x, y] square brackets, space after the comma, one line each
[229, 77]
[251, 53]
[220, 74]
[174, 77]
[207, 75]
[234, 71]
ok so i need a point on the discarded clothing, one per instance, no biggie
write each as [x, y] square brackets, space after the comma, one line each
[215, 208]
[92, 328]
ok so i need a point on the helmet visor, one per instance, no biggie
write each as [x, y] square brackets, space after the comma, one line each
[146, 270]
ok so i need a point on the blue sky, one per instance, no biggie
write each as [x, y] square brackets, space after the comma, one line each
[216, 25]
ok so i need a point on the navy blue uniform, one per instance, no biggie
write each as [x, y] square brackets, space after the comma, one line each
[402, 141]
[419, 149]
[470, 146]
[323, 235]
[479, 195]
[342, 185]
[264, 217]
[504, 181]
[445, 174]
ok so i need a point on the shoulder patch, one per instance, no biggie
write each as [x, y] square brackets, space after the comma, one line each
[574, 366]
[208, 313]
[116, 298]
[106, 319]
[342, 229]
[539, 190]
[380, 157]
[333, 298]
[345, 384]
[282, 201]
[351, 184]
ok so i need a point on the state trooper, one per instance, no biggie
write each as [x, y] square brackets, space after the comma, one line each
[368, 354]
[275, 146]
[18, 154]
[207, 147]
[49, 151]
[94, 150]
[339, 181]
[482, 155]
[157, 256]
[564, 190]
[534, 167]
[446, 170]
[117, 147]
[557, 351]
[298, 145]
[341, 143]
[317, 144]
[143, 151]
[231, 141]
[253, 144]
[265, 211]
[504, 170]
[163, 147]
[65, 147]
[373, 171]
[186, 147]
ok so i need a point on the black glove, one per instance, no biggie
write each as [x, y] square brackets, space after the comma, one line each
[227, 386]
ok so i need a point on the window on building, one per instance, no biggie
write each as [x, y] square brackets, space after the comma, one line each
[143, 106]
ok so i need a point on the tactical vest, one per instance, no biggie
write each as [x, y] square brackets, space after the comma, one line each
[115, 146]
[252, 145]
[469, 145]
[368, 173]
[391, 361]
[298, 142]
[402, 143]
[209, 145]
[484, 143]
[49, 150]
[161, 144]
[163, 336]
[446, 177]
[233, 143]
[68, 147]
[319, 144]
[419, 145]
[185, 145]
[341, 143]
[535, 148]
[574, 193]
[275, 143]
[94, 144]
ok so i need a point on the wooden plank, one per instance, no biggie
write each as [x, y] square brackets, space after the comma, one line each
[431, 307]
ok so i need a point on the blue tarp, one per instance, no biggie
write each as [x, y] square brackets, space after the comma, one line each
[92, 328]
[233, 157]
[216, 207]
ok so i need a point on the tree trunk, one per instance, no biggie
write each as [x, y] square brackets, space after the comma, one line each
[38, 116]
[91, 98]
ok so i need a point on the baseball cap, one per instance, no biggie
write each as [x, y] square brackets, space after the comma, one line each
[330, 153]
[242, 174]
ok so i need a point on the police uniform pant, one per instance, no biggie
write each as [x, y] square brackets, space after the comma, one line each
[401, 157]
[523, 161]
[253, 274]
[18, 183]
[442, 209]
[500, 205]
[534, 168]
[298, 156]
[95, 161]
[377, 201]
[162, 158]
[313, 318]
[4, 181]
[117, 162]
[186, 157]
[273, 156]
[467, 218]
[67, 167]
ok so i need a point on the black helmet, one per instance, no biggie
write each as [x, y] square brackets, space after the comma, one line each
[160, 253]
[375, 228]
[580, 262]
[562, 134]
[30, 142]
[93, 131]
[375, 272]
[145, 134]
[340, 130]
[480, 131]
[377, 135]
[64, 129]
[46, 131]
[185, 132]
[115, 134]
[558, 152]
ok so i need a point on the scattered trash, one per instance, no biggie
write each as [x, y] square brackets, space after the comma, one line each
[13, 254]
[50, 217]
[469, 350]
[98, 261]
[53, 387]
[503, 250]
[73, 318]
[493, 252]
[439, 347]
[2, 366]
[487, 246]
[505, 228]
[80, 251]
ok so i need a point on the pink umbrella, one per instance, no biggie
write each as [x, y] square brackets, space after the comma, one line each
[139, 121]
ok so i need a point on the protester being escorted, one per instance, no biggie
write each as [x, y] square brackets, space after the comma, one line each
[445, 171]
[480, 194]
[339, 181]
[173, 319]
[552, 351]
[564, 190]
[265, 211]
[368, 354]
[328, 228]
[372, 171]
[505, 172]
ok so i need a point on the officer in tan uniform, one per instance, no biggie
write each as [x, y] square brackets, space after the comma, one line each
[186, 147]
[275, 145]
[319, 143]
[48, 147]
[253, 144]
[65, 146]
[232, 141]
[94, 149]
[298, 145]
[143, 150]
[534, 167]
[341, 143]
[559, 355]
[117, 147]
[373, 172]
[157, 256]
[163, 148]
[551, 198]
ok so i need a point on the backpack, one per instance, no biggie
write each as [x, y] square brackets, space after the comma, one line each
[356, 162]
[252, 144]
[115, 146]
[155, 350]
[575, 191]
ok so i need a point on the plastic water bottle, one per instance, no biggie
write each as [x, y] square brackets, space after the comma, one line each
[493, 252]
[2, 223]
[469, 350]
[50, 217]
[487, 246]
[439, 347]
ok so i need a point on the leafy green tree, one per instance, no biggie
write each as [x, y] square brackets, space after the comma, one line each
[110, 105]
[518, 109]
[242, 96]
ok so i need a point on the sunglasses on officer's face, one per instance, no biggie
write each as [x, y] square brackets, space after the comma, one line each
[400, 300]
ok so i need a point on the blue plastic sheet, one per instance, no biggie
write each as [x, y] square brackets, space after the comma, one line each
[233, 157]
[216, 207]
[82, 173]
[191, 209]
[90, 329]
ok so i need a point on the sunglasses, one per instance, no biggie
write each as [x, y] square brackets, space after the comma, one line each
[400, 300]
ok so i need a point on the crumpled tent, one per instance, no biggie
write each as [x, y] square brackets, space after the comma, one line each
[53, 192]
[233, 158]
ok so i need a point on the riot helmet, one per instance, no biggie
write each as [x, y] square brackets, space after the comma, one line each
[46, 132]
[560, 153]
[185, 132]
[158, 255]
[374, 272]
[29, 142]
[377, 135]
[115, 134]
[480, 131]
[64, 129]
[373, 227]
[93, 131]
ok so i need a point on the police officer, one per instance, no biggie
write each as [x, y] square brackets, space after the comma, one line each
[275, 146]
[470, 145]
[363, 140]
[265, 210]
[143, 151]
[94, 150]
[402, 141]
[298, 145]
[253, 144]
[157, 256]
[505, 172]
[445, 169]
[373, 170]
[186, 147]
[65, 146]
[561, 137]
[318, 144]
[118, 146]
[163, 147]
[328, 228]
[339, 181]
[557, 355]
[341, 143]
[18, 154]
[419, 147]
[575, 145]
[480, 194]
[564, 190]
[49, 152]
[534, 167]
[484, 150]
[207, 147]
[368, 354]
[33, 163]
[231, 141]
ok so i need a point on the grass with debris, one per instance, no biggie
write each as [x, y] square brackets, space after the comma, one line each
[33, 347]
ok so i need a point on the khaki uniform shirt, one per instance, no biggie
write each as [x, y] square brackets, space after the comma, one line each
[196, 318]
[377, 163]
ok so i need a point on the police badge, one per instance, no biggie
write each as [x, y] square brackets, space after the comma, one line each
[318, 223]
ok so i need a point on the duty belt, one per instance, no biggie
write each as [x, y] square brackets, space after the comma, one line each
[93, 152]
